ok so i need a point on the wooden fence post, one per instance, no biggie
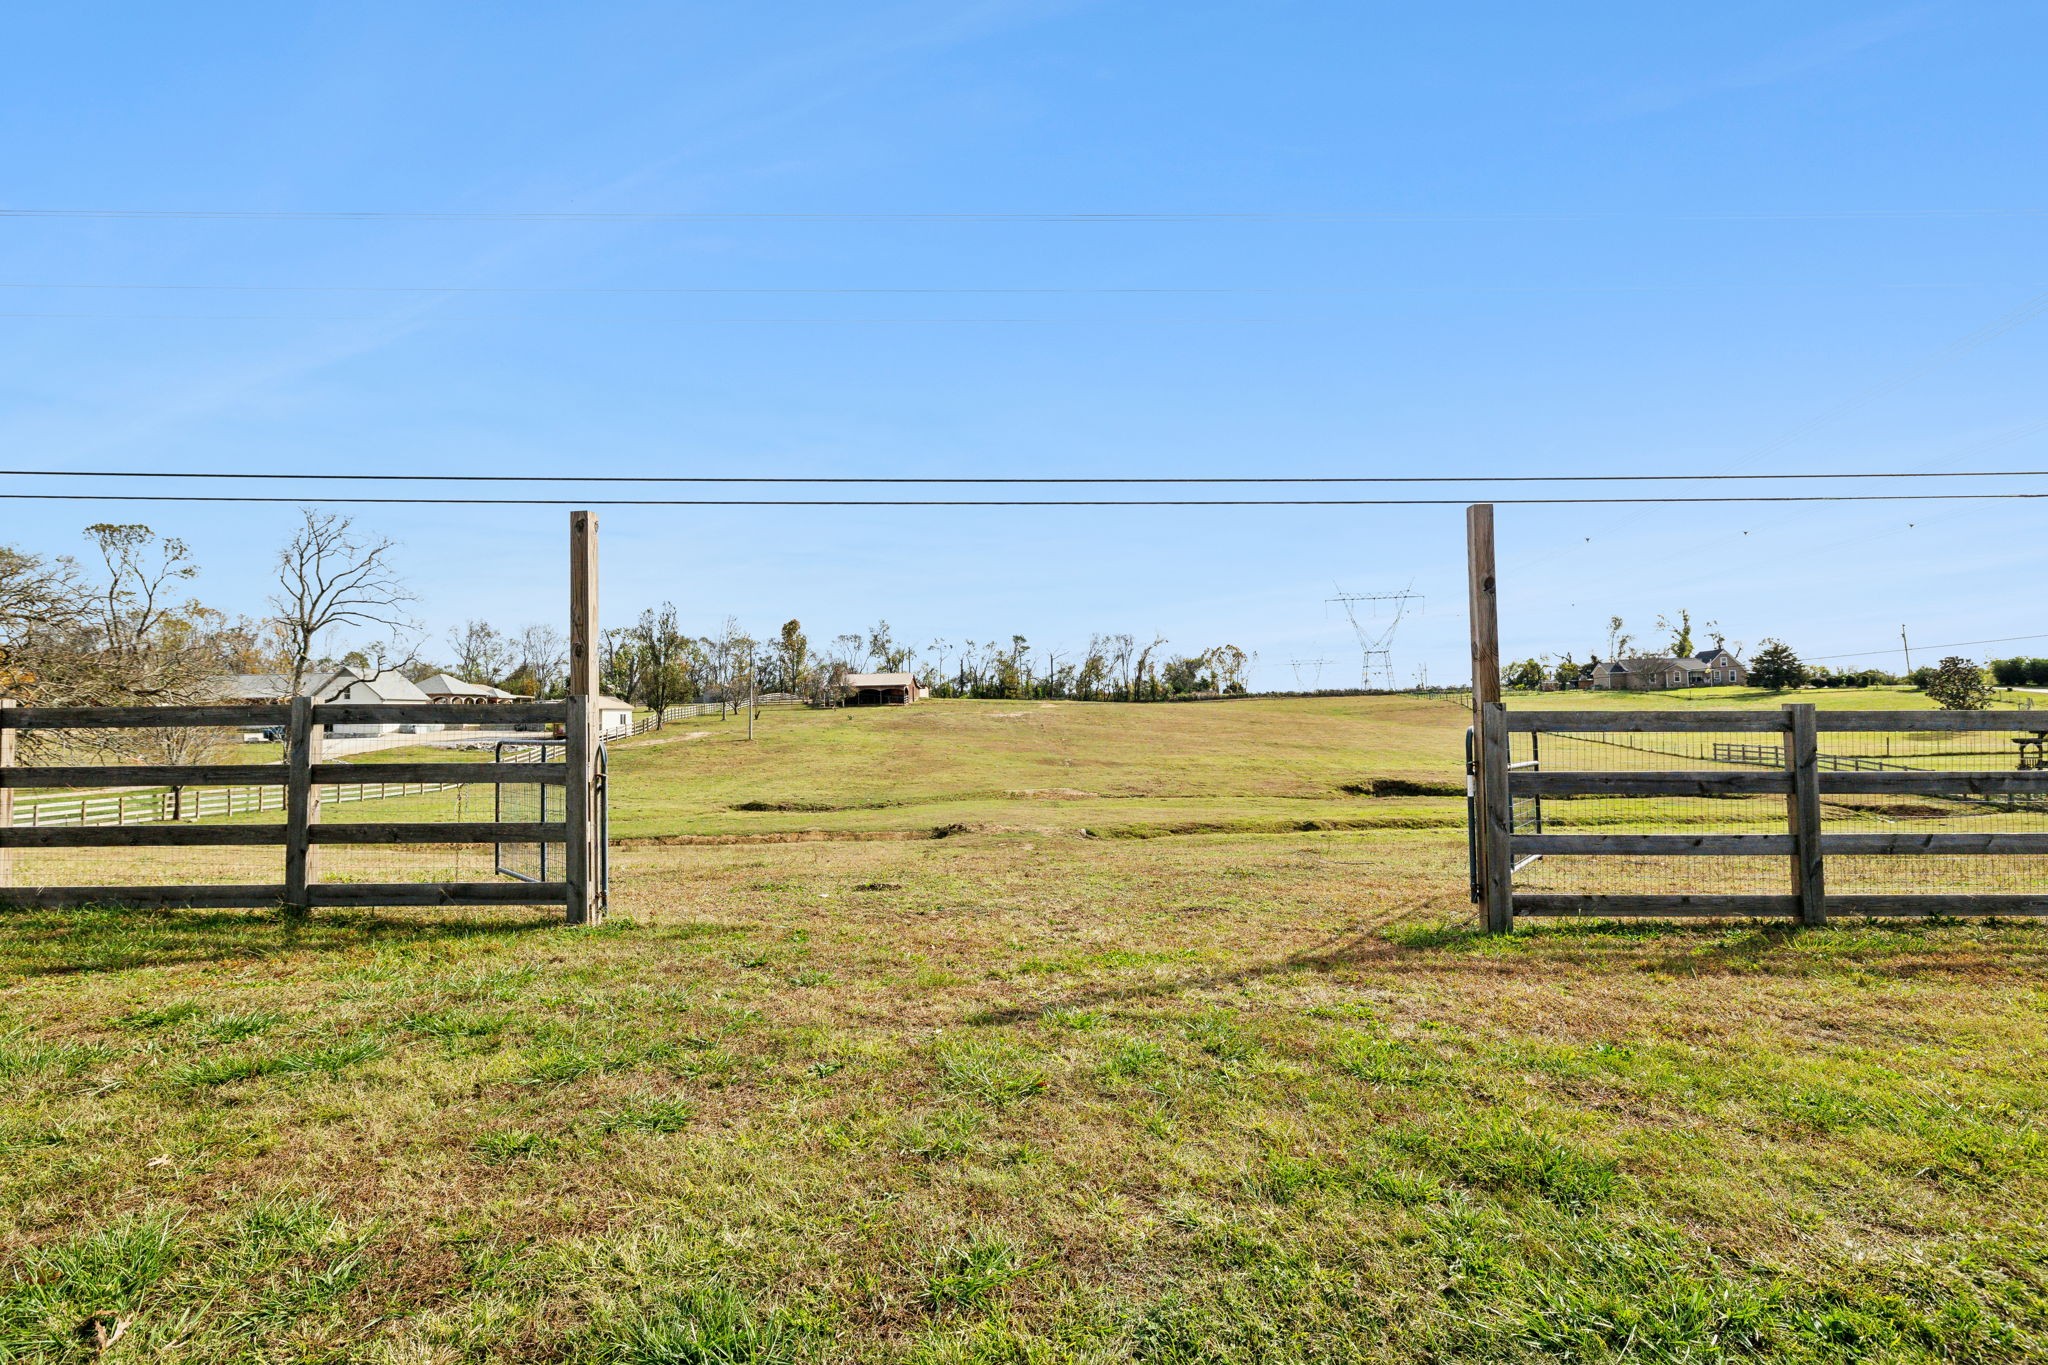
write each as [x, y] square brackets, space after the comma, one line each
[1802, 810]
[1489, 723]
[585, 895]
[301, 806]
[576, 845]
[7, 796]
[1497, 865]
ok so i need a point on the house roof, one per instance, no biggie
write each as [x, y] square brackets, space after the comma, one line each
[613, 704]
[880, 680]
[277, 686]
[448, 685]
[1652, 663]
[384, 685]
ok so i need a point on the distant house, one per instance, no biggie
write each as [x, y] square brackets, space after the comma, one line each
[1713, 667]
[385, 685]
[449, 688]
[880, 689]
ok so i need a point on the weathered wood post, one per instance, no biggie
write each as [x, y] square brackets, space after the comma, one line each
[301, 806]
[1802, 810]
[1489, 723]
[580, 865]
[1496, 814]
[6, 793]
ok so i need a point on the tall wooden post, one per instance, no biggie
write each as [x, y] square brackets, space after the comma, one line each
[301, 807]
[585, 894]
[1489, 739]
[1496, 829]
[6, 795]
[1802, 808]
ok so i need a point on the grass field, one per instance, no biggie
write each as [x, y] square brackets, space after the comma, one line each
[891, 1053]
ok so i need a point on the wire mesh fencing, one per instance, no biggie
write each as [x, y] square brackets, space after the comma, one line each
[1934, 812]
[219, 829]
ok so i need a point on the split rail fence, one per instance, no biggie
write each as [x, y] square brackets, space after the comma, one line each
[1774, 755]
[302, 780]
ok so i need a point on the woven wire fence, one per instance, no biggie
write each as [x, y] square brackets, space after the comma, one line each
[1873, 751]
[369, 801]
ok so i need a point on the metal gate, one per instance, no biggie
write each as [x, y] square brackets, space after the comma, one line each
[544, 803]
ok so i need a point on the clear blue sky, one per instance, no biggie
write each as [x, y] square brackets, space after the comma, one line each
[1502, 238]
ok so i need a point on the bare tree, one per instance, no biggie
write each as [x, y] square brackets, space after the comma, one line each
[39, 607]
[482, 655]
[331, 575]
[543, 655]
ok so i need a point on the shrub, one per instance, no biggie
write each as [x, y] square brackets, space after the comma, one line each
[1777, 668]
[2010, 672]
[1958, 685]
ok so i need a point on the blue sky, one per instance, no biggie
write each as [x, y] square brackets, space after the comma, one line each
[1483, 238]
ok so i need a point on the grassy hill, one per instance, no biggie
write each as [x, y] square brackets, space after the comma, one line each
[1018, 1095]
[1062, 766]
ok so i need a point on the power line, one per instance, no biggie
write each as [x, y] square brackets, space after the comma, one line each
[818, 320]
[273, 476]
[1100, 216]
[1953, 644]
[1015, 502]
[1055, 290]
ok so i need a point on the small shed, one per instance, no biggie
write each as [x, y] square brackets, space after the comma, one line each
[881, 689]
[614, 718]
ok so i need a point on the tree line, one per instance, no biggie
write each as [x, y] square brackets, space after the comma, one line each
[117, 625]
[656, 663]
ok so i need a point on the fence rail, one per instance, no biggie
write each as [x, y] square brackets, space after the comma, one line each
[1798, 772]
[299, 787]
[153, 807]
[698, 709]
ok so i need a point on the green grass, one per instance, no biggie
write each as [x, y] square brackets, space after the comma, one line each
[1022, 1094]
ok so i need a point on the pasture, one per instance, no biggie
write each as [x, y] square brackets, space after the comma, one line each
[1015, 1032]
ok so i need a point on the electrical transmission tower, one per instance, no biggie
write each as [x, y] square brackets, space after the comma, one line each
[1384, 612]
[1317, 664]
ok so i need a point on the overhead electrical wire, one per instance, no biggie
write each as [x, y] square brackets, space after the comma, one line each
[1953, 644]
[1117, 217]
[297, 476]
[353, 499]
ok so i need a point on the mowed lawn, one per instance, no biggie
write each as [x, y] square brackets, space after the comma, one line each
[829, 1087]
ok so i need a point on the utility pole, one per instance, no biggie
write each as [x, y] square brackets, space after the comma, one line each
[753, 696]
[1909, 651]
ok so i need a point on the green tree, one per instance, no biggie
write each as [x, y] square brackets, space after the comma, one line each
[1959, 685]
[1681, 633]
[792, 658]
[1527, 674]
[1776, 667]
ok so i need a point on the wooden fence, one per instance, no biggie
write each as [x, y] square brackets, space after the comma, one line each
[1803, 776]
[303, 780]
[152, 807]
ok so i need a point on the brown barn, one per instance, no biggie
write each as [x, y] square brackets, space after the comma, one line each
[881, 689]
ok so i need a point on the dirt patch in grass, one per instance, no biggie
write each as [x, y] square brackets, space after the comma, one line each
[1403, 786]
